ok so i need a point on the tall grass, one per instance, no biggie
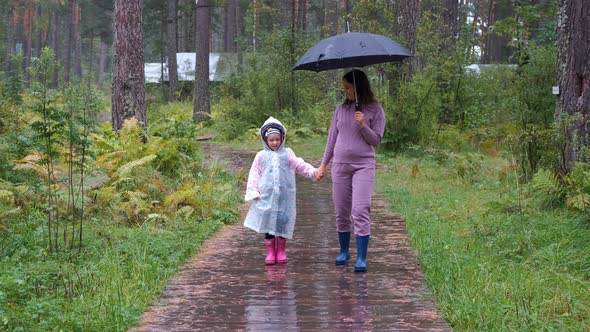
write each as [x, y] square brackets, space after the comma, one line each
[493, 257]
[106, 287]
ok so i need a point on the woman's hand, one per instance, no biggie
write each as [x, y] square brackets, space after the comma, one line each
[320, 172]
[359, 118]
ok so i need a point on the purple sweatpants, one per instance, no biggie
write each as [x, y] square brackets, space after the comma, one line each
[352, 188]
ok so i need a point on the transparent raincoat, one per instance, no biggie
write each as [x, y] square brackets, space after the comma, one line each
[271, 187]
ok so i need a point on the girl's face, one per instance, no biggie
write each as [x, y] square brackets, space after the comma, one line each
[348, 90]
[274, 141]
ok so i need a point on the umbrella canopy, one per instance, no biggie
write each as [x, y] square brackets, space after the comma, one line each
[351, 49]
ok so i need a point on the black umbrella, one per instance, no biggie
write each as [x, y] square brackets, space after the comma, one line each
[351, 49]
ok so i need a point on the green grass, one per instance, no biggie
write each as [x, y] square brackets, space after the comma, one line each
[493, 257]
[107, 287]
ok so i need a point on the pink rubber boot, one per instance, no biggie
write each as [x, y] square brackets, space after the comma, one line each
[271, 257]
[281, 251]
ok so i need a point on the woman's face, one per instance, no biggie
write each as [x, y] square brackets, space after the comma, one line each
[348, 90]
[274, 141]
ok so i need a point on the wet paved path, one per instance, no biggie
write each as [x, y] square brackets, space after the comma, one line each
[227, 287]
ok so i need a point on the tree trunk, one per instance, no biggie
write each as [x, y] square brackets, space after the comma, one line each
[450, 21]
[90, 56]
[39, 41]
[498, 49]
[13, 19]
[128, 71]
[330, 27]
[231, 26]
[256, 23]
[474, 33]
[404, 24]
[172, 48]
[216, 35]
[237, 15]
[189, 28]
[201, 104]
[55, 44]
[69, 41]
[226, 25]
[28, 31]
[181, 25]
[573, 75]
[102, 62]
[304, 15]
[347, 13]
[330, 18]
[283, 19]
[77, 41]
[164, 77]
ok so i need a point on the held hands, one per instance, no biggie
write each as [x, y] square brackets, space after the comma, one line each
[320, 172]
[359, 118]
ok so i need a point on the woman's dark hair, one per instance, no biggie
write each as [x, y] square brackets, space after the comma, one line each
[364, 94]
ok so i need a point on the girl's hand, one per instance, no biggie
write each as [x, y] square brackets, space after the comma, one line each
[317, 174]
[359, 118]
[320, 172]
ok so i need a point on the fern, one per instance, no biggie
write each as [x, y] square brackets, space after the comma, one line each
[155, 217]
[95, 180]
[180, 198]
[106, 196]
[580, 202]
[131, 138]
[125, 170]
[110, 160]
[6, 197]
[104, 140]
[185, 212]
[547, 182]
[547, 187]
[40, 170]
[578, 187]
[136, 206]
[4, 215]
[32, 162]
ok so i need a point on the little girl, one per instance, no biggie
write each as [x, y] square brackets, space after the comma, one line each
[271, 189]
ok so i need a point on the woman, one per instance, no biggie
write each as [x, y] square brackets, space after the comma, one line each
[352, 138]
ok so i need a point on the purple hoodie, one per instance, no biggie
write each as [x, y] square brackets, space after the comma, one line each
[348, 143]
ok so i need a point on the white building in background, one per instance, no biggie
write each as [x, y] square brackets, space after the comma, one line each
[221, 66]
[479, 68]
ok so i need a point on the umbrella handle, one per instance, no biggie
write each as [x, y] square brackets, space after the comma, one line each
[356, 99]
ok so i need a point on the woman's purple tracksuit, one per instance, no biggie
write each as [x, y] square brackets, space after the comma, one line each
[351, 149]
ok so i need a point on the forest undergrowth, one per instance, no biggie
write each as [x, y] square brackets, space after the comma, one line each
[147, 207]
[495, 254]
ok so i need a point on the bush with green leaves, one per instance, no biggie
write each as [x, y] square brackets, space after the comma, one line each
[265, 87]
[534, 112]
[573, 188]
[488, 98]
[411, 114]
[11, 87]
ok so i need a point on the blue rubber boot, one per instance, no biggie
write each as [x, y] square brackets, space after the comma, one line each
[362, 243]
[344, 239]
